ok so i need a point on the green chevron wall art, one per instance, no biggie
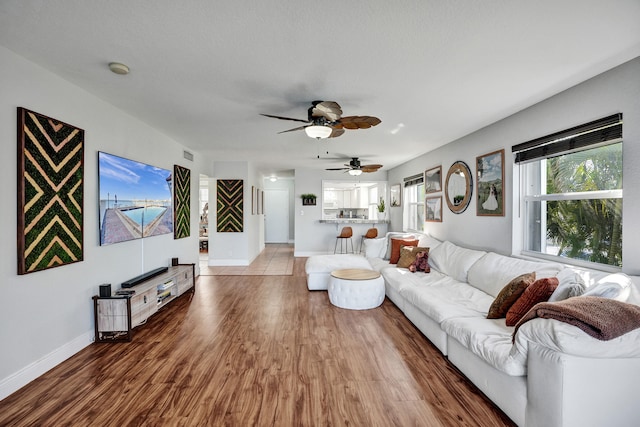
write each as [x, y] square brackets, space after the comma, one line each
[229, 211]
[50, 192]
[181, 202]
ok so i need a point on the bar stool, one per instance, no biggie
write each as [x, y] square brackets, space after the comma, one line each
[371, 233]
[345, 234]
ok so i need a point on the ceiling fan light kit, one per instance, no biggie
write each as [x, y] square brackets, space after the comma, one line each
[354, 167]
[318, 132]
[324, 120]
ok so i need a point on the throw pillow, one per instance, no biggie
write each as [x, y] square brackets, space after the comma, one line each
[394, 235]
[421, 263]
[408, 255]
[395, 248]
[509, 295]
[375, 248]
[570, 285]
[538, 291]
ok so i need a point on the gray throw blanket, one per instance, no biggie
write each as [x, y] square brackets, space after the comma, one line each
[602, 318]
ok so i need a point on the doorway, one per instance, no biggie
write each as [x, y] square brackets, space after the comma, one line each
[276, 215]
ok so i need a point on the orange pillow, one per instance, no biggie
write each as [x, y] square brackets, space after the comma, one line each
[396, 244]
[538, 291]
[509, 295]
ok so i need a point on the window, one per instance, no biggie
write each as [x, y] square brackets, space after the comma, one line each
[571, 185]
[413, 199]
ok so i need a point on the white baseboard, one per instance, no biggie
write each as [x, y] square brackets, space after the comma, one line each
[24, 376]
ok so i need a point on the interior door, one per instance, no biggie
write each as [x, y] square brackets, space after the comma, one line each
[276, 215]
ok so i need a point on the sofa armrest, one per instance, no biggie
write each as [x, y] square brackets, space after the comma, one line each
[569, 390]
[565, 338]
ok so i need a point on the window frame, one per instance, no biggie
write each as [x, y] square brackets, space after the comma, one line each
[411, 207]
[592, 135]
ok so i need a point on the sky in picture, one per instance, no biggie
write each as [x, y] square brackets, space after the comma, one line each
[128, 179]
[491, 168]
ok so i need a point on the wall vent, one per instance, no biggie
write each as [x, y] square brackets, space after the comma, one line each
[188, 155]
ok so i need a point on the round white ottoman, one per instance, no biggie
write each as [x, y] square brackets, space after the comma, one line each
[356, 289]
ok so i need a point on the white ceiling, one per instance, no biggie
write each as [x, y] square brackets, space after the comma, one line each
[431, 70]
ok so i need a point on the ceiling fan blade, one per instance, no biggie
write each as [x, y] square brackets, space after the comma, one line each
[330, 110]
[357, 122]
[370, 168]
[337, 169]
[291, 130]
[336, 133]
[284, 118]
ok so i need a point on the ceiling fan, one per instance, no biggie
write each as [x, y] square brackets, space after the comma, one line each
[324, 120]
[355, 168]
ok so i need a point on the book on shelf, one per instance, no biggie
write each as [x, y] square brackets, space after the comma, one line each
[166, 285]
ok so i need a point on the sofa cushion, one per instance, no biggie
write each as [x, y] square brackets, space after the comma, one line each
[455, 261]
[492, 271]
[375, 248]
[615, 286]
[427, 241]
[570, 285]
[489, 339]
[396, 244]
[401, 278]
[446, 298]
[408, 255]
[509, 294]
[538, 291]
[319, 268]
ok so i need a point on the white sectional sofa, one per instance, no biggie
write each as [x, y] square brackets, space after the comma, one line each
[552, 374]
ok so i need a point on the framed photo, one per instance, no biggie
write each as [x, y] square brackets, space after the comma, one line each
[433, 180]
[433, 209]
[259, 201]
[490, 182]
[253, 200]
[396, 195]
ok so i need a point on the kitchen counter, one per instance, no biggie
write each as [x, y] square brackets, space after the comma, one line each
[353, 221]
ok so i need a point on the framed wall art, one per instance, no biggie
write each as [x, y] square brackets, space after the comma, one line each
[458, 188]
[395, 195]
[433, 180]
[253, 200]
[230, 209]
[50, 192]
[490, 182]
[181, 202]
[433, 209]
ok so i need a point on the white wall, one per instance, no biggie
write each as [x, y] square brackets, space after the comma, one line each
[47, 316]
[235, 248]
[617, 90]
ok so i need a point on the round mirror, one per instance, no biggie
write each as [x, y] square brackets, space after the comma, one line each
[458, 187]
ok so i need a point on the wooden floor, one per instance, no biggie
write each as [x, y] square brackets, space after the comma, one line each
[262, 351]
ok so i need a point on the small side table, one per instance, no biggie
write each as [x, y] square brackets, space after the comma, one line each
[356, 289]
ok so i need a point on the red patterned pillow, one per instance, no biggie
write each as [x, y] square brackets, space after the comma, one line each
[509, 295]
[538, 291]
[396, 244]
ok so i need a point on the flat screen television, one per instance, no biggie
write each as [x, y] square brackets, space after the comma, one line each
[135, 199]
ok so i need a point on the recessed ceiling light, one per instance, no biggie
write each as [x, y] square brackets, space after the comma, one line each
[118, 68]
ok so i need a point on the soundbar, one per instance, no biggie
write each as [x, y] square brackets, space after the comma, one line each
[141, 278]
